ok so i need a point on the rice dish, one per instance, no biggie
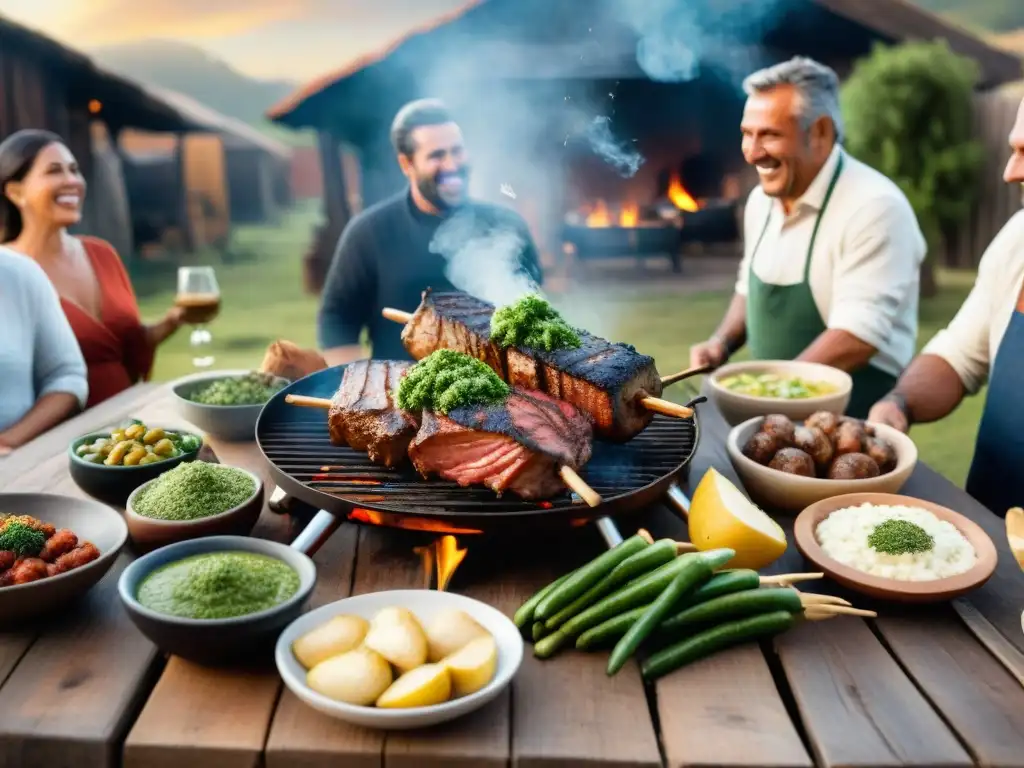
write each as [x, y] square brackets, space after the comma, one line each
[895, 542]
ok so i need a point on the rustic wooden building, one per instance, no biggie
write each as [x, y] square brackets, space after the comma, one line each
[46, 85]
[516, 72]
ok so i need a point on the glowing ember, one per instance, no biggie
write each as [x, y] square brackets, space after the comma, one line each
[599, 216]
[679, 196]
[370, 517]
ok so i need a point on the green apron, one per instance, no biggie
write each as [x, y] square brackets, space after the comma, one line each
[783, 320]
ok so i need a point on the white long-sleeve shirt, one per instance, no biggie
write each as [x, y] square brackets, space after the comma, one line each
[38, 350]
[865, 275]
[970, 342]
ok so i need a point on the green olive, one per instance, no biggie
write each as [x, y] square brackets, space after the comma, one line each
[164, 448]
[153, 436]
[93, 458]
[150, 458]
[135, 431]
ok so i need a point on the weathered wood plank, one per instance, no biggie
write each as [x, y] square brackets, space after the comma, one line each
[980, 700]
[72, 697]
[741, 720]
[299, 736]
[998, 599]
[13, 645]
[838, 666]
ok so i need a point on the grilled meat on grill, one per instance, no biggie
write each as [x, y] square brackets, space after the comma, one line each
[364, 416]
[518, 446]
[604, 380]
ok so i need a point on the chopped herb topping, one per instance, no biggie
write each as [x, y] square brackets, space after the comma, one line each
[22, 539]
[446, 379]
[532, 322]
[900, 537]
[193, 490]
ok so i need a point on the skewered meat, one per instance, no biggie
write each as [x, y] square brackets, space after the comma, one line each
[364, 416]
[602, 379]
[518, 446]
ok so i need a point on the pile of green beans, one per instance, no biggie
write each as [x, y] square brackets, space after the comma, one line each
[643, 596]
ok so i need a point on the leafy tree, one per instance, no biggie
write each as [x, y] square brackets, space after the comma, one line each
[908, 113]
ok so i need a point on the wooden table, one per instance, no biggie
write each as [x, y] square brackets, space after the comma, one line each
[914, 687]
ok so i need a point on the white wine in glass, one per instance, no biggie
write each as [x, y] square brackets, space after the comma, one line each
[199, 296]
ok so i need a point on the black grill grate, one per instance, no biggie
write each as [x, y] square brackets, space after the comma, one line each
[296, 442]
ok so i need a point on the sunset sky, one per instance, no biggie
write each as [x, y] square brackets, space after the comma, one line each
[291, 39]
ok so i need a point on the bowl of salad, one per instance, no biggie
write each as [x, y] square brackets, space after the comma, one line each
[226, 404]
[110, 463]
[794, 389]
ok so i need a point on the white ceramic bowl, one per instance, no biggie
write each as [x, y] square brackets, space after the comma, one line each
[424, 604]
[781, 490]
[737, 408]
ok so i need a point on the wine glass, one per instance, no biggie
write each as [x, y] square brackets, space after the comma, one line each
[199, 297]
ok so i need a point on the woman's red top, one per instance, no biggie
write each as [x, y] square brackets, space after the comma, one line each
[116, 347]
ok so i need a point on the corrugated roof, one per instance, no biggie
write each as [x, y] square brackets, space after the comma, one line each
[897, 20]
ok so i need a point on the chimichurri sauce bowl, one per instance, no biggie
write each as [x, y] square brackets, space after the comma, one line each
[220, 600]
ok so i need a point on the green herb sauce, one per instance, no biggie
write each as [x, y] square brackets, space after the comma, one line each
[194, 490]
[218, 585]
[446, 379]
[21, 538]
[900, 537]
[532, 322]
[251, 389]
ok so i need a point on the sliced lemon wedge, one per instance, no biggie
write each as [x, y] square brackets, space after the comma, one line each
[721, 516]
[422, 687]
[472, 666]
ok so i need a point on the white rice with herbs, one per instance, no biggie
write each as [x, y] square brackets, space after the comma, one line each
[846, 535]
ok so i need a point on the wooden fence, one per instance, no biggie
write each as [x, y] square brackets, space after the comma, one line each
[994, 115]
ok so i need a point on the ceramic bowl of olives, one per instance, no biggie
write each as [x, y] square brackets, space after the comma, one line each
[109, 464]
[225, 404]
[787, 464]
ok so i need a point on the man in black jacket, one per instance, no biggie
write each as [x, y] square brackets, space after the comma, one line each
[430, 235]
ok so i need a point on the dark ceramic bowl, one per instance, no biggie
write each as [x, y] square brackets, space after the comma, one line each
[227, 422]
[87, 519]
[113, 485]
[215, 642]
[148, 533]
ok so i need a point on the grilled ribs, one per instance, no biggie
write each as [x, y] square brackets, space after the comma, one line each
[602, 379]
[518, 446]
[364, 416]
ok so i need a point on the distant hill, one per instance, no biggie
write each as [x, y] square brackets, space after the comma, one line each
[987, 15]
[193, 72]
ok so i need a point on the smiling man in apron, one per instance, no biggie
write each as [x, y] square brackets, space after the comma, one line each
[984, 341]
[832, 248]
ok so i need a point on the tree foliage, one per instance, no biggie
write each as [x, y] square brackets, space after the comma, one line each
[908, 113]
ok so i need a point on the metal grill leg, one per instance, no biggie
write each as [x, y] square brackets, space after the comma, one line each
[678, 498]
[609, 531]
[314, 535]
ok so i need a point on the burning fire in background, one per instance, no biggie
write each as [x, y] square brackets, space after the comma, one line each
[600, 215]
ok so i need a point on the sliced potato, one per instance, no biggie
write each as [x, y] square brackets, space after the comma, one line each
[357, 677]
[397, 636]
[472, 667]
[450, 631]
[422, 687]
[339, 635]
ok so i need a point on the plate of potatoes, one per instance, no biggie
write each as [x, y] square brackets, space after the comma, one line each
[789, 464]
[399, 659]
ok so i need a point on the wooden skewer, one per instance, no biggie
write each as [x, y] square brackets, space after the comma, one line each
[655, 404]
[309, 402]
[825, 611]
[396, 315]
[644, 534]
[816, 600]
[787, 579]
[574, 482]
[695, 371]
[1015, 533]
[683, 547]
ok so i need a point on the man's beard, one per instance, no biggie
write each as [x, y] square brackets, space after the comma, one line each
[433, 189]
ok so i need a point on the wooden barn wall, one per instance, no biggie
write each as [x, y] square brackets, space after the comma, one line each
[34, 93]
[994, 115]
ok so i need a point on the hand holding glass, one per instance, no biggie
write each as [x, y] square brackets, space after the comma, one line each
[199, 297]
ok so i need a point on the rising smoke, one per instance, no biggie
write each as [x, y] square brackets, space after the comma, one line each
[515, 129]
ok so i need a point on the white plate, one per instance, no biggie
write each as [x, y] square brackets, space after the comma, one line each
[424, 604]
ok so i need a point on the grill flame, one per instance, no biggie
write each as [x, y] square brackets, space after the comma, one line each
[372, 517]
[445, 556]
[680, 198]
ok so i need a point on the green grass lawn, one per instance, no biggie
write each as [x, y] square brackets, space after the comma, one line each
[263, 300]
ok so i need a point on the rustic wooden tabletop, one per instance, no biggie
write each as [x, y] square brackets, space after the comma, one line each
[936, 686]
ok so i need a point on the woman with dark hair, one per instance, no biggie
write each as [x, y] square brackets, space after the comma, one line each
[41, 195]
